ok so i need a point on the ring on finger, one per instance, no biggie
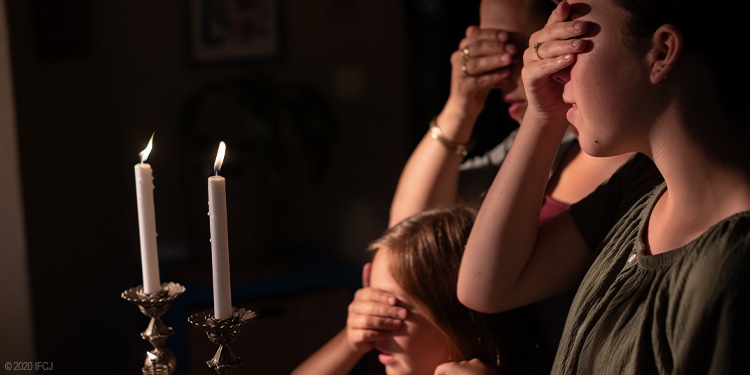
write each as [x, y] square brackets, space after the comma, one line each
[465, 53]
[465, 69]
[536, 50]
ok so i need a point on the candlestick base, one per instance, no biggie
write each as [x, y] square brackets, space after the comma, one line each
[160, 360]
[222, 332]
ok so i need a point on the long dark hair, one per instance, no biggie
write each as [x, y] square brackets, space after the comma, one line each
[714, 31]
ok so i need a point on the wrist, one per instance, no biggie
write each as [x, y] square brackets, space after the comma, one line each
[545, 121]
[461, 110]
[458, 148]
[465, 105]
[457, 126]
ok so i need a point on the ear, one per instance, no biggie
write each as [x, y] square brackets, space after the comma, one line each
[665, 51]
[366, 271]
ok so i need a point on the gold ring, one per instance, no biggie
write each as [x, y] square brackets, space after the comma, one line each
[466, 70]
[465, 53]
[536, 50]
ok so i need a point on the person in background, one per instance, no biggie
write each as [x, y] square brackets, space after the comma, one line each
[488, 58]
[660, 253]
[421, 327]
[436, 174]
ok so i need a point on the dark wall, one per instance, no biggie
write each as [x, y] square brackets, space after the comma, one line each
[94, 79]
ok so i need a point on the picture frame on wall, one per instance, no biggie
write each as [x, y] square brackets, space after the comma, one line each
[234, 30]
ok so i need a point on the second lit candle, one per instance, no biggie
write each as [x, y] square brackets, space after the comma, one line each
[217, 212]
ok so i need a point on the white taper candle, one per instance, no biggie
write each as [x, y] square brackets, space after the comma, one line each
[217, 212]
[144, 188]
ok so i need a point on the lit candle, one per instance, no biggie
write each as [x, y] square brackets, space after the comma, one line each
[217, 212]
[144, 189]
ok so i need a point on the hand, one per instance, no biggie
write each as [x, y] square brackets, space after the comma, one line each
[488, 63]
[472, 367]
[547, 62]
[372, 315]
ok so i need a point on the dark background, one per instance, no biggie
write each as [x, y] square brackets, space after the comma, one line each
[316, 137]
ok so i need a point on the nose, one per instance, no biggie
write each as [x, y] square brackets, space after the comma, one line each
[562, 77]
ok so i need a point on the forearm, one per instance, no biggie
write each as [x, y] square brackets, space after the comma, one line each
[336, 357]
[504, 235]
[430, 177]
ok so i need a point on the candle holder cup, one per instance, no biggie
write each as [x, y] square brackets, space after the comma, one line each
[222, 332]
[159, 360]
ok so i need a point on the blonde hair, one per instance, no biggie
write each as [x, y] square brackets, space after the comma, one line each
[426, 251]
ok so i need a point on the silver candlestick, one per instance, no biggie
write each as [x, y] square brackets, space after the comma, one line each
[222, 332]
[159, 360]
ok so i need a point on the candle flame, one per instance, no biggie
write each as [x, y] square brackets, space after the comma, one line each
[146, 151]
[220, 157]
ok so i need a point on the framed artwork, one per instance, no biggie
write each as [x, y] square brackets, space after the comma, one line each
[234, 30]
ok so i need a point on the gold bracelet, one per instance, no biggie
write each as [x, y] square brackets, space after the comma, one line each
[456, 148]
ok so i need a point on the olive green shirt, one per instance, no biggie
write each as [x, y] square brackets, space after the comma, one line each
[681, 312]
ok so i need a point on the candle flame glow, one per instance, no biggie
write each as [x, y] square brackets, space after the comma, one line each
[220, 157]
[146, 151]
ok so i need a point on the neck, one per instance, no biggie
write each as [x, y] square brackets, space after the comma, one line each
[705, 185]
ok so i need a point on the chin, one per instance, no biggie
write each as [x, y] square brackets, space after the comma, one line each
[593, 148]
[600, 152]
[400, 368]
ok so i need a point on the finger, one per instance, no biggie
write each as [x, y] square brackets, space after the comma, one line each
[359, 338]
[555, 49]
[487, 81]
[474, 366]
[552, 40]
[557, 39]
[375, 295]
[561, 13]
[372, 335]
[373, 322]
[474, 33]
[446, 368]
[543, 71]
[486, 42]
[362, 340]
[377, 310]
[377, 302]
[471, 30]
[485, 64]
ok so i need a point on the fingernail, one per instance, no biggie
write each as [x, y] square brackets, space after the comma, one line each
[577, 26]
[401, 313]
